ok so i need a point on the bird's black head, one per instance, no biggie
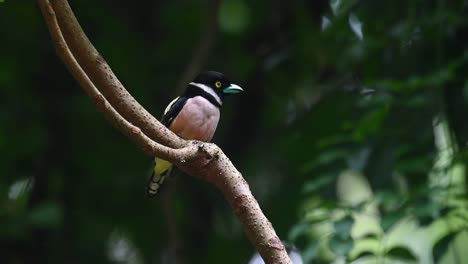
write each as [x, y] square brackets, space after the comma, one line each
[214, 84]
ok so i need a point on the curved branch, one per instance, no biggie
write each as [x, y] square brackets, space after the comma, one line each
[202, 50]
[203, 160]
[101, 74]
[133, 132]
[215, 167]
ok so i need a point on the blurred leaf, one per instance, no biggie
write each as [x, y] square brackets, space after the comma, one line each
[340, 246]
[355, 25]
[401, 253]
[359, 160]
[342, 227]
[319, 183]
[416, 82]
[20, 188]
[442, 245]
[414, 165]
[47, 215]
[325, 23]
[391, 219]
[426, 211]
[234, 16]
[370, 124]
[389, 201]
[455, 249]
[298, 230]
[341, 6]
[325, 158]
[317, 215]
[353, 188]
[335, 5]
[364, 247]
[310, 252]
[331, 140]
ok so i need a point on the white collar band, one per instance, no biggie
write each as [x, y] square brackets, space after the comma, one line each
[208, 90]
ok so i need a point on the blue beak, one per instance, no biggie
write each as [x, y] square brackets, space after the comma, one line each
[233, 89]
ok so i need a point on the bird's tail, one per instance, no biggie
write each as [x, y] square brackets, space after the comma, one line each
[161, 170]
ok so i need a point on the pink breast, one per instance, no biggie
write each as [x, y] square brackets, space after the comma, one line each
[197, 120]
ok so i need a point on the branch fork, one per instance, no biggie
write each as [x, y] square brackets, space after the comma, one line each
[203, 160]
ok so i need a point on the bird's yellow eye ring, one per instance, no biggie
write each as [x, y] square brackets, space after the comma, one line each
[218, 84]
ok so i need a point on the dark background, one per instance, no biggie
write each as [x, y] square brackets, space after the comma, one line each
[352, 132]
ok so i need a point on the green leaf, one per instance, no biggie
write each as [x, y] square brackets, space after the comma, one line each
[343, 227]
[442, 245]
[455, 251]
[341, 246]
[390, 219]
[364, 247]
[353, 188]
[401, 253]
[317, 215]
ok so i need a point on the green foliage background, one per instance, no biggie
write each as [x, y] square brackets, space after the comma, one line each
[352, 133]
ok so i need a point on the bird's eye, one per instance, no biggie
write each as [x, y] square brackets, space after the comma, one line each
[218, 84]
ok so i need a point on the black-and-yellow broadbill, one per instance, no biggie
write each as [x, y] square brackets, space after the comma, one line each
[193, 116]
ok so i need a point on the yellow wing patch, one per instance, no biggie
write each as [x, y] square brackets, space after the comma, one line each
[161, 166]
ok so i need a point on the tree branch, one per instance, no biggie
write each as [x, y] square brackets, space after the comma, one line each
[150, 147]
[101, 74]
[203, 160]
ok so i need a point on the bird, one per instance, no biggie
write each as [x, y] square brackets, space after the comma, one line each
[194, 115]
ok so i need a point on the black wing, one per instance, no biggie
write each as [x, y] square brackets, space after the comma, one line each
[172, 110]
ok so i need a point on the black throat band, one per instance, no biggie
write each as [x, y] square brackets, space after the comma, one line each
[193, 90]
